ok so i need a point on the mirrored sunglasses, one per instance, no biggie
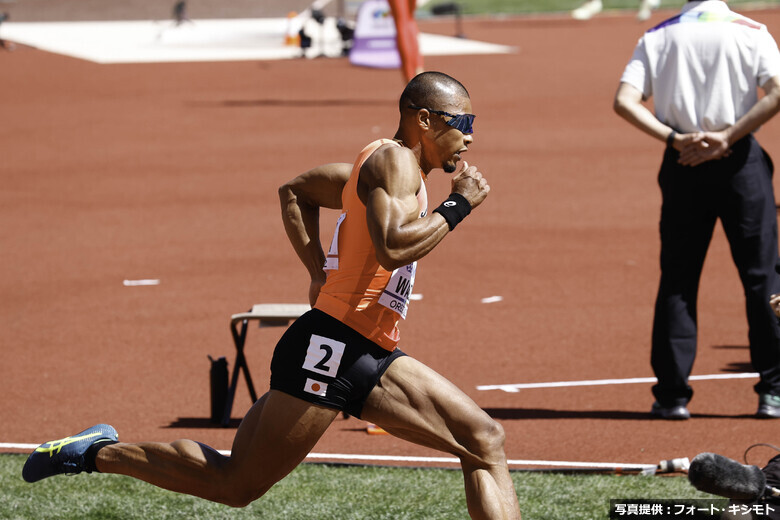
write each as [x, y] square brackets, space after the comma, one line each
[462, 122]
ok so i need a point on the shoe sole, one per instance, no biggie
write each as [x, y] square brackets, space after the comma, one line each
[656, 413]
[671, 417]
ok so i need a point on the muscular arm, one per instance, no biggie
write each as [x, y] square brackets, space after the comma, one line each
[301, 200]
[389, 183]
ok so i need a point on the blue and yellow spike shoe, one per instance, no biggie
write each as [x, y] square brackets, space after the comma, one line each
[65, 455]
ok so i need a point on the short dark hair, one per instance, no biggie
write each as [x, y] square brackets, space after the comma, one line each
[428, 89]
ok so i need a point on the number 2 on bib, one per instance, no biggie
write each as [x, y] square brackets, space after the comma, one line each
[324, 355]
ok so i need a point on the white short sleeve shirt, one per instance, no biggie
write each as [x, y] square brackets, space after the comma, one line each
[703, 66]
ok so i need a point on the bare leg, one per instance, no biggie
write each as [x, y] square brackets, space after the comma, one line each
[407, 37]
[275, 436]
[415, 403]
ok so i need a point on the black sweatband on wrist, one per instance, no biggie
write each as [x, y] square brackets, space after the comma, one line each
[670, 139]
[454, 209]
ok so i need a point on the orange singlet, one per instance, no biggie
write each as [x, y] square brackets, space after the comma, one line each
[359, 292]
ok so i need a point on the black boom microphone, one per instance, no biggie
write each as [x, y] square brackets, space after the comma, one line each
[722, 476]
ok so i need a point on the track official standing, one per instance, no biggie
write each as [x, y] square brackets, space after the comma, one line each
[703, 68]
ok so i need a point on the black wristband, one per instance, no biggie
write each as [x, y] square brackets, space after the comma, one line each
[670, 139]
[454, 209]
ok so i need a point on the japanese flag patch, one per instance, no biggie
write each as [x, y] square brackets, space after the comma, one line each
[316, 387]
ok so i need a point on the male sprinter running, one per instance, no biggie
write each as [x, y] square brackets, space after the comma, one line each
[342, 355]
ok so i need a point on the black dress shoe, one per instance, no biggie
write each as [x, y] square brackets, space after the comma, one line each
[672, 413]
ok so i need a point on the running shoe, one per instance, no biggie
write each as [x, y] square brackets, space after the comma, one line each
[646, 8]
[65, 455]
[587, 10]
[768, 406]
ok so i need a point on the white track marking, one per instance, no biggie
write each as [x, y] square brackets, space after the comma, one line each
[513, 388]
[439, 460]
[204, 40]
[138, 283]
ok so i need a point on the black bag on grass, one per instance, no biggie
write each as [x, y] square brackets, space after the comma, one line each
[219, 387]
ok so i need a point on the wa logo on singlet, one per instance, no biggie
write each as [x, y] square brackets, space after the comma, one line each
[398, 290]
[404, 287]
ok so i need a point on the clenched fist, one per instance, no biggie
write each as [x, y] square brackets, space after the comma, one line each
[470, 183]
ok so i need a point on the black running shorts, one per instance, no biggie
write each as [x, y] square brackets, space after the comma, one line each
[323, 361]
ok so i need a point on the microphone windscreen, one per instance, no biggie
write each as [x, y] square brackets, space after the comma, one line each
[722, 476]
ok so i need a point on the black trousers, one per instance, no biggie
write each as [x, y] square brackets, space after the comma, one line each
[738, 191]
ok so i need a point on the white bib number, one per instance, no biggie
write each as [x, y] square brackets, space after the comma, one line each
[324, 355]
[396, 295]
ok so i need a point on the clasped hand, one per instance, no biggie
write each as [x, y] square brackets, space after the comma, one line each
[699, 147]
[774, 302]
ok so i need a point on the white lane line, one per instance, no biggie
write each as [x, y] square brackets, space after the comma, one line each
[399, 458]
[17, 446]
[513, 388]
[511, 462]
